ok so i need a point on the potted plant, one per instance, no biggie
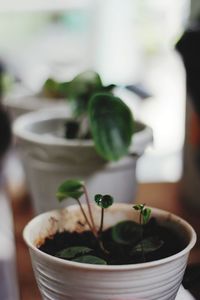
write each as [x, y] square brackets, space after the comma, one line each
[100, 143]
[103, 252]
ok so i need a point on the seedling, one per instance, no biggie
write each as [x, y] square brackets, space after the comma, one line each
[144, 215]
[149, 244]
[75, 189]
[125, 236]
[104, 202]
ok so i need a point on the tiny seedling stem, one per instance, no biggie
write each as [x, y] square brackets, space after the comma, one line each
[86, 218]
[90, 210]
[101, 223]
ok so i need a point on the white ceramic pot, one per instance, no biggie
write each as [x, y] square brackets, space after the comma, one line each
[49, 159]
[20, 102]
[62, 280]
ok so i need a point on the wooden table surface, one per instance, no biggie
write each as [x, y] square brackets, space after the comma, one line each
[161, 195]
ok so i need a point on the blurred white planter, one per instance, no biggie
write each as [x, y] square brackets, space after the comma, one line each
[61, 280]
[21, 101]
[49, 159]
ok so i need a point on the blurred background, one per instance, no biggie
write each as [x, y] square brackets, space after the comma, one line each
[127, 42]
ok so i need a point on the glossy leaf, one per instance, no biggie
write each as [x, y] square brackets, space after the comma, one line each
[70, 188]
[104, 201]
[126, 232]
[72, 252]
[138, 207]
[144, 211]
[148, 245]
[81, 88]
[55, 89]
[78, 90]
[90, 259]
[111, 124]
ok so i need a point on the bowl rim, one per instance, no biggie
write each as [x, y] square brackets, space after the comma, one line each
[110, 268]
[20, 126]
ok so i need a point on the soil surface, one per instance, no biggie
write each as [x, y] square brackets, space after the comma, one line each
[117, 254]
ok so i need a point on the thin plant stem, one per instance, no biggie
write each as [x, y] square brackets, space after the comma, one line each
[101, 223]
[140, 218]
[91, 228]
[102, 247]
[90, 210]
[86, 218]
[142, 235]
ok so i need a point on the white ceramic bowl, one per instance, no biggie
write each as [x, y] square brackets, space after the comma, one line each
[20, 102]
[62, 280]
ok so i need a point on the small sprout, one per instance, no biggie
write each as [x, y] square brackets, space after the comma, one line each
[73, 252]
[75, 189]
[145, 213]
[103, 201]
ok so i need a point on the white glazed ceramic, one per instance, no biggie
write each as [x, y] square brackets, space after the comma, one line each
[20, 102]
[62, 280]
[50, 159]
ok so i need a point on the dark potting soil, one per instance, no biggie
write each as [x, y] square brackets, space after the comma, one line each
[72, 128]
[118, 254]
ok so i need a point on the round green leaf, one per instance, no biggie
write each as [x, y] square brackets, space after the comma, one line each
[147, 245]
[111, 124]
[97, 198]
[126, 232]
[90, 259]
[103, 201]
[72, 252]
[70, 188]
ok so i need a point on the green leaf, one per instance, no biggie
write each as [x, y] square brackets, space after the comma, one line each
[146, 213]
[85, 80]
[81, 88]
[138, 207]
[111, 124]
[147, 245]
[55, 89]
[103, 201]
[126, 232]
[90, 259]
[72, 252]
[70, 188]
